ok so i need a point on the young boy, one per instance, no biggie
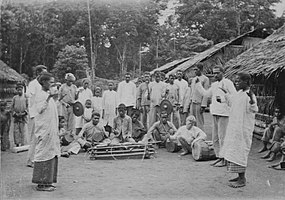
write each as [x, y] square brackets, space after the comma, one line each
[19, 112]
[87, 115]
[138, 128]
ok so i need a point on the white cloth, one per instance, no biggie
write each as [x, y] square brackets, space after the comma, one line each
[109, 105]
[97, 103]
[127, 93]
[191, 136]
[34, 88]
[183, 85]
[46, 128]
[196, 96]
[238, 138]
[216, 108]
[157, 92]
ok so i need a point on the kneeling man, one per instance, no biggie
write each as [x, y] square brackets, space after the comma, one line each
[187, 135]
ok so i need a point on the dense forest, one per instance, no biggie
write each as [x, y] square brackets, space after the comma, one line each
[106, 38]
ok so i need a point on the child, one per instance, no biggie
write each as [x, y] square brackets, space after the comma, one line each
[4, 126]
[19, 112]
[87, 115]
[97, 101]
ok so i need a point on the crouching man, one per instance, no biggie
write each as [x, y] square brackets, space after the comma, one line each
[187, 135]
[91, 132]
[160, 130]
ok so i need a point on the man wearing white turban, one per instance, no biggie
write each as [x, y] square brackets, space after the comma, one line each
[67, 94]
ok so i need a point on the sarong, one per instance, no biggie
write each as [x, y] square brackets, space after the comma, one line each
[45, 172]
[235, 168]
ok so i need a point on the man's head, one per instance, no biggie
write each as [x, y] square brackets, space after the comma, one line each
[190, 122]
[276, 112]
[163, 117]
[95, 118]
[85, 83]
[127, 77]
[3, 105]
[122, 110]
[243, 81]
[179, 74]
[111, 85]
[198, 69]
[88, 103]
[19, 88]
[61, 122]
[146, 77]
[97, 91]
[40, 69]
[46, 80]
[135, 115]
[157, 76]
[218, 72]
[171, 79]
[70, 78]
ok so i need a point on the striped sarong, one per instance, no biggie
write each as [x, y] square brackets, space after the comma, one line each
[235, 168]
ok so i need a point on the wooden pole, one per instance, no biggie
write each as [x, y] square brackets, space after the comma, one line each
[157, 52]
[140, 60]
[90, 40]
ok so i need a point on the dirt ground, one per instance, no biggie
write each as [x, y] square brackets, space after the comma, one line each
[166, 176]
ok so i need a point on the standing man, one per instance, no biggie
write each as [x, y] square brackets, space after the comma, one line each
[156, 94]
[47, 147]
[127, 93]
[183, 85]
[198, 101]
[240, 128]
[173, 95]
[34, 88]
[143, 101]
[219, 109]
[68, 95]
[109, 105]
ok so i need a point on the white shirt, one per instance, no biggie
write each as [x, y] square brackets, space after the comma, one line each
[217, 108]
[84, 95]
[157, 92]
[127, 93]
[34, 88]
[183, 85]
[191, 135]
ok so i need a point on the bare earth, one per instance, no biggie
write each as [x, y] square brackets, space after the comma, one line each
[166, 176]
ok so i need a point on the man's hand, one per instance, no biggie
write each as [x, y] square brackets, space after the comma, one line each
[250, 94]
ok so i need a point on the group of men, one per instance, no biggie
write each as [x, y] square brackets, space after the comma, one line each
[133, 114]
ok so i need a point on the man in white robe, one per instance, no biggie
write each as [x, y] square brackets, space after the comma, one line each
[127, 92]
[34, 88]
[238, 138]
[109, 105]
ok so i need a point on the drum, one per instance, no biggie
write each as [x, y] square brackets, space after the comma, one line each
[172, 146]
[98, 137]
[203, 150]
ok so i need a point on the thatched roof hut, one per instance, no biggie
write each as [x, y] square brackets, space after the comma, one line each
[8, 79]
[267, 58]
[266, 63]
[222, 52]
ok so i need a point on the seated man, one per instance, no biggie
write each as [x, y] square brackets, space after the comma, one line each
[138, 128]
[276, 131]
[187, 135]
[281, 164]
[160, 129]
[122, 127]
[91, 132]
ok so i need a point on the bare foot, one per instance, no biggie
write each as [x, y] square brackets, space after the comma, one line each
[278, 167]
[216, 161]
[271, 158]
[266, 155]
[238, 184]
[234, 179]
[222, 163]
[262, 150]
[184, 153]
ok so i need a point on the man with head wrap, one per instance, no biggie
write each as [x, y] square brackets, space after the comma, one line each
[67, 94]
